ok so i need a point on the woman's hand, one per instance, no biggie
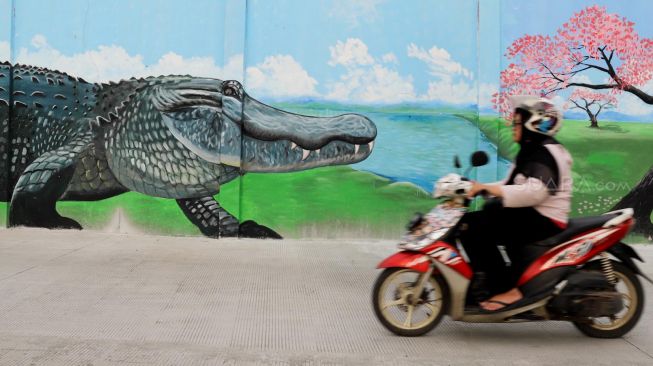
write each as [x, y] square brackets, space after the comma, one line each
[492, 190]
[476, 189]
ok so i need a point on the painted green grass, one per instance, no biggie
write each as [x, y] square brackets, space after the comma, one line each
[3, 214]
[324, 202]
[330, 202]
[608, 162]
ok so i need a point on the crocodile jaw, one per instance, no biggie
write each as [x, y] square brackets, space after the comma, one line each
[279, 141]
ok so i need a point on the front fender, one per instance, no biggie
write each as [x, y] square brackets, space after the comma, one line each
[406, 259]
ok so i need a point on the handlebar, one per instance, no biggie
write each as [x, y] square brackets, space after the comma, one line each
[492, 203]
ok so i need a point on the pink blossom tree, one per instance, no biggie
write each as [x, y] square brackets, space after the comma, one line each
[592, 102]
[591, 41]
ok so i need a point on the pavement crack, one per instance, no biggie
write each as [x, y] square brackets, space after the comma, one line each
[641, 350]
[47, 261]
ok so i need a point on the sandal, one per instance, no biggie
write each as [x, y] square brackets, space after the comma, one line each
[503, 305]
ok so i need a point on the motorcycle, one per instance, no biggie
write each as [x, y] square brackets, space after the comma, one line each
[585, 274]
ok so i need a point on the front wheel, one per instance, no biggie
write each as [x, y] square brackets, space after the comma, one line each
[401, 310]
[616, 326]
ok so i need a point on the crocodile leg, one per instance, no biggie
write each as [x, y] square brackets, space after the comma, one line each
[42, 183]
[214, 221]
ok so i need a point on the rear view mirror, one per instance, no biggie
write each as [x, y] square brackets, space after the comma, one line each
[456, 162]
[479, 158]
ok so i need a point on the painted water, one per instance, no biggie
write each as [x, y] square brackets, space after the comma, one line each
[418, 146]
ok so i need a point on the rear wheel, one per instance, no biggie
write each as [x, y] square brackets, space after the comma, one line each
[621, 323]
[401, 310]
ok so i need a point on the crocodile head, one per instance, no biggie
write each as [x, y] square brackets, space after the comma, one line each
[221, 124]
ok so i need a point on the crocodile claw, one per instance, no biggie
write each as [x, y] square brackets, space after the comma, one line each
[250, 229]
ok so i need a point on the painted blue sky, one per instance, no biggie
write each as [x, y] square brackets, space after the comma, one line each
[370, 51]
[365, 51]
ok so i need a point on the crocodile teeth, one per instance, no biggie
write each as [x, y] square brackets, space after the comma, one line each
[356, 147]
[305, 154]
[370, 146]
[293, 145]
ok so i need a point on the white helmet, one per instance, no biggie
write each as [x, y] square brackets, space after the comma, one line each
[450, 185]
[545, 118]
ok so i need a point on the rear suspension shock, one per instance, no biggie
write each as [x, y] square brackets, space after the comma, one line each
[608, 270]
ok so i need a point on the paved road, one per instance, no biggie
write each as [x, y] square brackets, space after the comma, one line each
[88, 298]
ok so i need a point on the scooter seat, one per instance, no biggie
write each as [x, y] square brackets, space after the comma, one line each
[575, 227]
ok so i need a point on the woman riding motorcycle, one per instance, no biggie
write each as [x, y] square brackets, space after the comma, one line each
[536, 200]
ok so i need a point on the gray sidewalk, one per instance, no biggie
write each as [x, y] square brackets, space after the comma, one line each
[89, 298]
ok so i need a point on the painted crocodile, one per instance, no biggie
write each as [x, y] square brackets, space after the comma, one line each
[177, 137]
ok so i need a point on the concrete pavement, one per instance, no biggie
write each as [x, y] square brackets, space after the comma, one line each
[91, 298]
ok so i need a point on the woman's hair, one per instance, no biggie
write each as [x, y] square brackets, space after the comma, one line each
[525, 114]
[528, 137]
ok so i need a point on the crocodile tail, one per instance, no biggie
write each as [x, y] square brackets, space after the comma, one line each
[4, 154]
[5, 74]
[5, 193]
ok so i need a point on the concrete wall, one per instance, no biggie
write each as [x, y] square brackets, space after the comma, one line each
[423, 73]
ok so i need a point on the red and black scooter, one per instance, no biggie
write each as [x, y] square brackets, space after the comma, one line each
[584, 275]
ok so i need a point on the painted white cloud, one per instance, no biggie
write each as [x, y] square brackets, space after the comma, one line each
[559, 101]
[439, 62]
[112, 62]
[581, 78]
[451, 92]
[452, 83]
[367, 80]
[373, 84]
[485, 91]
[350, 53]
[276, 76]
[355, 12]
[39, 41]
[280, 76]
[390, 58]
[172, 63]
[4, 51]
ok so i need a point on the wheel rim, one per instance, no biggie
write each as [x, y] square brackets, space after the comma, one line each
[627, 289]
[402, 308]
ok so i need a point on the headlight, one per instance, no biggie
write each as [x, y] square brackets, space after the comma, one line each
[412, 242]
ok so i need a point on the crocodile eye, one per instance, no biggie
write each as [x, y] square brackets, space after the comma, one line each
[233, 89]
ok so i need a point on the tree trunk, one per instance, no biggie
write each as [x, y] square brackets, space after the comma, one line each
[640, 199]
[594, 123]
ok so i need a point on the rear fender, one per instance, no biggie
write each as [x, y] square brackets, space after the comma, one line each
[625, 254]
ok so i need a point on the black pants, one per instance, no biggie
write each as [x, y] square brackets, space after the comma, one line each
[513, 228]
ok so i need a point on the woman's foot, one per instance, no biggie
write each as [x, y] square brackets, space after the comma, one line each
[499, 301]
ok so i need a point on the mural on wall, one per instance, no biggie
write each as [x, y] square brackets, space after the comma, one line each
[409, 79]
[174, 137]
[428, 91]
[590, 61]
